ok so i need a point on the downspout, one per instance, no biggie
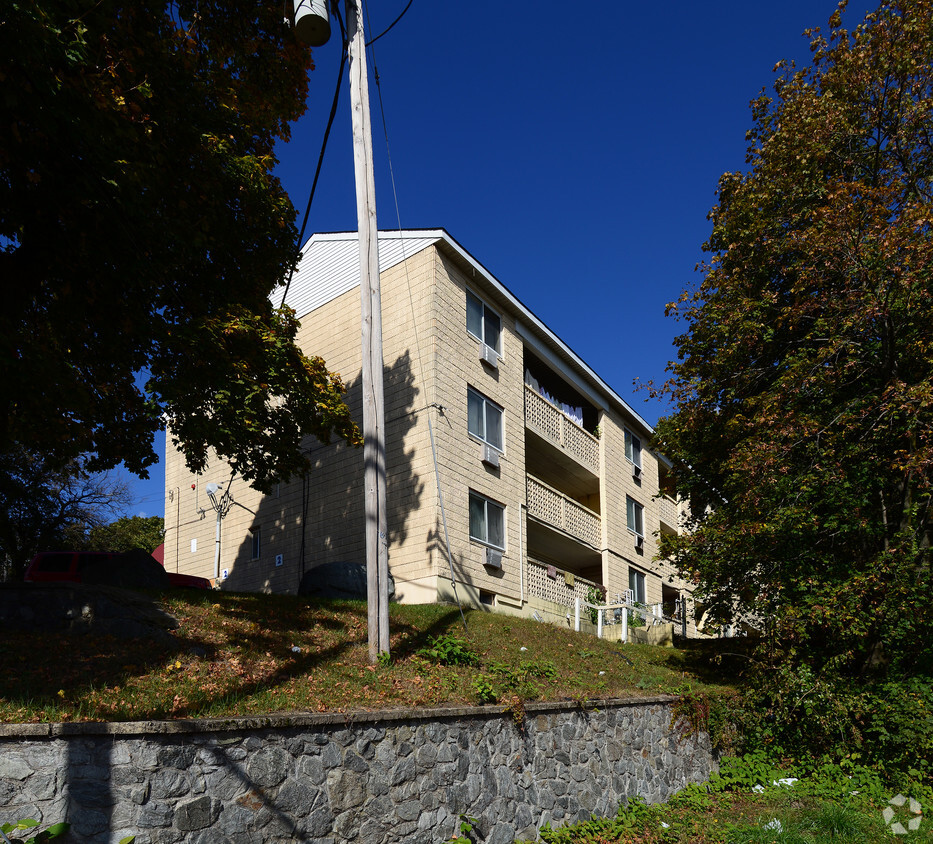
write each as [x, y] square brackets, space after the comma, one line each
[217, 550]
[522, 515]
[177, 526]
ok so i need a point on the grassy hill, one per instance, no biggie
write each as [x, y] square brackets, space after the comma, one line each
[238, 654]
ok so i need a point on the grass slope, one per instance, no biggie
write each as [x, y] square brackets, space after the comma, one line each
[238, 654]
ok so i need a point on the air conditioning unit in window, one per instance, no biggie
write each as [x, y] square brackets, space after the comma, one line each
[639, 542]
[636, 471]
[487, 354]
[493, 558]
[490, 456]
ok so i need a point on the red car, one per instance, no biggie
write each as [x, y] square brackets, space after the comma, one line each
[70, 566]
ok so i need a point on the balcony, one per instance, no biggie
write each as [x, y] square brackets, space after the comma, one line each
[557, 510]
[669, 512]
[558, 589]
[552, 426]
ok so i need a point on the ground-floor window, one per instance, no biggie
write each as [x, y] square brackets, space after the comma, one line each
[487, 521]
[636, 583]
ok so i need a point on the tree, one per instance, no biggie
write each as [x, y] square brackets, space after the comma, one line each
[125, 534]
[803, 391]
[41, 504]
[141, 231]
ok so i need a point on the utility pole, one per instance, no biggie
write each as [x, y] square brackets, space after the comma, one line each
[374, 472]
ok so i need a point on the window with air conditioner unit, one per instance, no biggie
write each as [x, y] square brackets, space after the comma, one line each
[635, 520]
[486, 326]
[493, 558]
[633, 452]
[489, 456]
[489, 355]
[487, 521]
[484, 421]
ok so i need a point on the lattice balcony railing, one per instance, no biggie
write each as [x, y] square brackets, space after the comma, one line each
[556, 589]
[556, 509]
[668, 511]
[554, 425]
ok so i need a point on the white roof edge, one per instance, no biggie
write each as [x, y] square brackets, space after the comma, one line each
[405, 234]
[540, 326]
[504, 292]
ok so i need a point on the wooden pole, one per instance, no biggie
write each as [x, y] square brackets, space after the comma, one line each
[374, 473]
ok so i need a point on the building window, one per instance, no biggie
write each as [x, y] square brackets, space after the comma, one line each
[634, 516]
[484, 323]
[487, 521]
[632, 448]
[636, 584]
[255, 535]
[484, 419]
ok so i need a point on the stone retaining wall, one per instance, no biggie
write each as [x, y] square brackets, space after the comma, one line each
[368, 777]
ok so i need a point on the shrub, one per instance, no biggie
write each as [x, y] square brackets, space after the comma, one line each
[449, 650]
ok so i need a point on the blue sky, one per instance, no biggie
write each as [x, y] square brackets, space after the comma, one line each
[575, 156]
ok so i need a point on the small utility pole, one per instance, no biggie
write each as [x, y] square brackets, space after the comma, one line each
[374, 472]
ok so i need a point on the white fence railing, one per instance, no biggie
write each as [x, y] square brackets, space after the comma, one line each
[618, 613]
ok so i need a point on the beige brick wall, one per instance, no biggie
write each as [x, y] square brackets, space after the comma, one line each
[191, 534]
[457, 366]
[617, 482]
[430, 358]
[333, 528]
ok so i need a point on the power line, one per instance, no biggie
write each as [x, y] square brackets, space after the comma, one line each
[386, 30]
[320, 159]
[414, 320]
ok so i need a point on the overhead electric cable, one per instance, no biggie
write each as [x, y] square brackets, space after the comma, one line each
[414, 321]
[320, 159]
[374, 40]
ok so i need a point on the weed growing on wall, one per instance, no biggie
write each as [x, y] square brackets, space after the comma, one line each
[595, 595]
[716, 715]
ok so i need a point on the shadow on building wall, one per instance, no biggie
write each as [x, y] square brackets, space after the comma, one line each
[319, 519]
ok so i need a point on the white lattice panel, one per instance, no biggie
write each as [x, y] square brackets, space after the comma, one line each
[553, 424]
[582, 523]
[557, 591]
[542, 415]
[582, 445]
[557, 509]
[544, 503]
[667, 510]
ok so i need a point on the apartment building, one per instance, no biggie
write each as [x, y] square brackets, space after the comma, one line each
[502, 446]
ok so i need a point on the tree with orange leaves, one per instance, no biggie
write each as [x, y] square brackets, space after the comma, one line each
[803, 424]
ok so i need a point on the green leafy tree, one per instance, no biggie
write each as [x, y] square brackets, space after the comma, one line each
[41, 504]
[126, 534]
[141, 230]
[803, 394]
